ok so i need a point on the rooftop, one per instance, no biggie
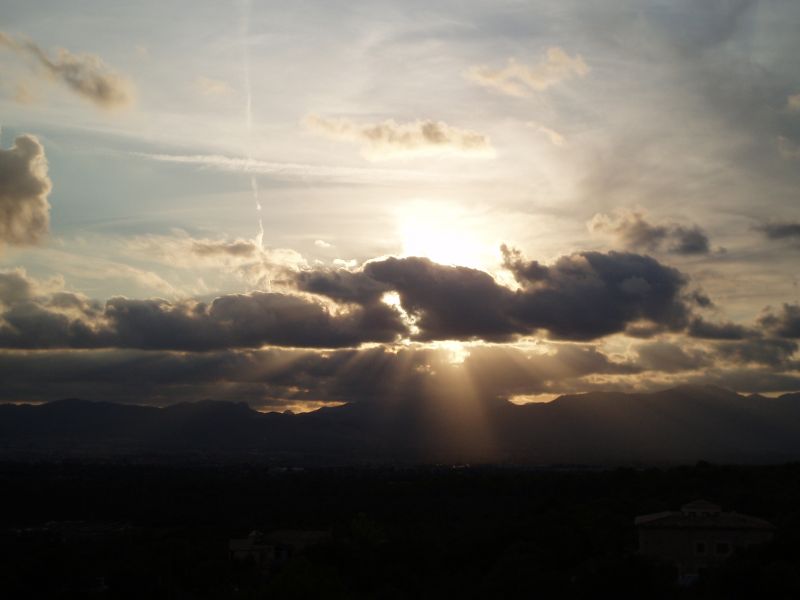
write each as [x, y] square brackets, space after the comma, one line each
[700, 514]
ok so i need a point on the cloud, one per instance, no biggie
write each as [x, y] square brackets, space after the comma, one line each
[786, 323]
[689, 240]
[277, 377]
[793, 103]
[232, 321]
[773, 352]
[447, 302]
[444, 302]
[390, 139]
[213, 87]
[35, 314]
[15, 287]
[322, 244]
[517, 79]
[700, 328]
[779, 230]
[342, 285]
[580, 297]
[290, 171]
[633, 232]
[84, 74]
[668, 357]
[248, 259]
[93, 266]
[245, 320]
[551, 134]
[589, 295]
[238, 248]
[24, 187]
[182, 250]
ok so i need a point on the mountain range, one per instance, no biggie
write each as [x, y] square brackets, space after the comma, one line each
[679, 425]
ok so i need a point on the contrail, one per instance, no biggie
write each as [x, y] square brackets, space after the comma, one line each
[248, 116]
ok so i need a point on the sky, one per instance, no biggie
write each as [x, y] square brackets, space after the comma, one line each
[299, 205]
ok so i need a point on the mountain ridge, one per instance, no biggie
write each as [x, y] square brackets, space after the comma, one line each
[680, 424]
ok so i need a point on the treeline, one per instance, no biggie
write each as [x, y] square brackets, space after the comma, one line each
[124, 531]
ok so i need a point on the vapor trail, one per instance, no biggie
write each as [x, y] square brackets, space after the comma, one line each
[248, 115]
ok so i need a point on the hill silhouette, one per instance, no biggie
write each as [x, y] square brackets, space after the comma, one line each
[678, 425]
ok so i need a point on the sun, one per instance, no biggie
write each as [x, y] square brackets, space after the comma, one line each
[446, 235]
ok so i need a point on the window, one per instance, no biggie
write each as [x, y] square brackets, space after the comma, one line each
[723, 548]
[699, 547]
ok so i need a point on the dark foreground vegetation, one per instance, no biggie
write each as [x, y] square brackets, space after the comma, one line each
[132, 531]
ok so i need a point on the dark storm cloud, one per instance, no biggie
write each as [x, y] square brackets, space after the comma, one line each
[31, 325]
[786, 323]
[700, 299]
[24, 187]
[85, 74]
[592, 294]
[342, 285]
[633, 232]
[446, 302]
[668, 357]
[65, 320]
[689, 240]
[156, 377]
[677, 356]
[700, 328]
[781, 230]
[773, 352]
[501, 371]
[276, 377]
[449, 302]
[75, 302]
[764, 343]
[18, 289]
[15, 287]
[580, 297]
[244, 320]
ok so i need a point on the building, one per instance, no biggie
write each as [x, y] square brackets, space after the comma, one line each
[253, 548]
[698, 536]
[265, 550]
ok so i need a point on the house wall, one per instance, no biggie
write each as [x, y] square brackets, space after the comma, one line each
[683, 547]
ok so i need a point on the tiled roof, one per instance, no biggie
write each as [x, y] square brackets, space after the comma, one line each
[680, 520]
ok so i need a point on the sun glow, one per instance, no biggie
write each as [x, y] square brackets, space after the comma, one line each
[455, 351]
[521, 399]
[446, 235]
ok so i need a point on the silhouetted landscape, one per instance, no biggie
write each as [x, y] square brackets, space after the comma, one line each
[400, 299]
[680, 425]
[125, 501]
[126, 531]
